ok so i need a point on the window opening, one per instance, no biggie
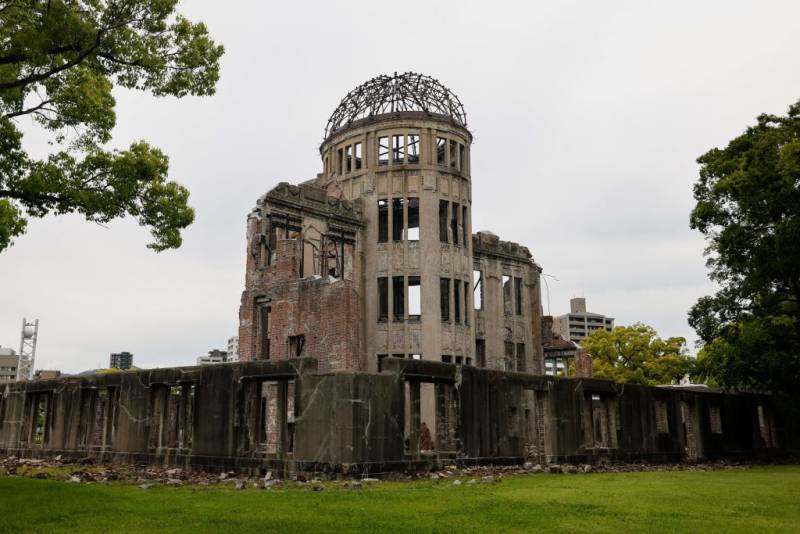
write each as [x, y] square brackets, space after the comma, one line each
[477, 291]
[413, 148]
[359, 158]
[466, 302]
[454, 223]
[507, 295]
[446, 358]
[457, 300]
[349, 159]
[397, 219]
[383, 150]
[441, 144]
[462, 156]
[381, 357]
[397, 149]
[444, 298]
[383, 221]
[398, 298]
[296, 345]
[339, 161]
[264, 313]
[412, 233]
[464, 231]
[414, 297]
[383, 299]
[453, 154]
[518, 295]
[443, 205]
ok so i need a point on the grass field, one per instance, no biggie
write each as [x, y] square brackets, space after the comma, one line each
[758, 499]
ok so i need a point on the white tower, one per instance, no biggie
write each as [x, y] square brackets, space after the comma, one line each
[27, 349]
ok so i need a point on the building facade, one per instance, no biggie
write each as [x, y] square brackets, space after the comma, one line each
[578, 323]
[233, 349]
[9, 361]
[213, 356]
[120, 360]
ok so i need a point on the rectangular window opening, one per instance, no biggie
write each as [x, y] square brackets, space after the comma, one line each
[383, 221]
[383, 150]
[398, 152]
[397, 219]
[466, 303]
[413, 148]
[477, 291]
[446, 358]
[521, 367]
[349, 159]
[518, 295]
[507, 295]
[454, 223]
[462, 156]
[383, 299]
[464, 230]
[412, 232]
[443, 205]
[453, 154]
[441, 144]
[457, 300]
[296, 346]
[444, 298]
[414, 297]
[508, 361]
[359, 157]
[398, 298]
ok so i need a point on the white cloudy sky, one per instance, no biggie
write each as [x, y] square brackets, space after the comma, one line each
[588, 118]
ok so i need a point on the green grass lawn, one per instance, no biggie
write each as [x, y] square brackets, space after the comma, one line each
[759, 499]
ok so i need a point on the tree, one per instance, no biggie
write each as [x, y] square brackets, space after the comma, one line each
[635, 354]
[59, 61]
[748, 208]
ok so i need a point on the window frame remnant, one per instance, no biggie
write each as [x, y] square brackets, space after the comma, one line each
[296, 345]
[414, 298]
[477, 291]
[398, 149]
[358, 156]
[441, 151]
[383, 150]
[454, 154]
[412, 148]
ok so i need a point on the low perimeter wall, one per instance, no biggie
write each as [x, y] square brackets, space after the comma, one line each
[287, 417]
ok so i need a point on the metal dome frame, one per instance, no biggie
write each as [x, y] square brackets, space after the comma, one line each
[409, 91]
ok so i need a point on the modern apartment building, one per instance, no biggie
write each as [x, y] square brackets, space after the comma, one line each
[121, 360]
[8, 365]
[578, 323]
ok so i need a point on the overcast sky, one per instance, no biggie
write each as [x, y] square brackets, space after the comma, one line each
[588, 118]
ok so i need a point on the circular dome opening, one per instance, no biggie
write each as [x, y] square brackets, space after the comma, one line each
[389, 94]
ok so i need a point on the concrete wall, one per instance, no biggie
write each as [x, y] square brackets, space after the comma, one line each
[289, 417]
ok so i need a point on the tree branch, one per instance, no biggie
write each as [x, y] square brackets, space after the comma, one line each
[27, 111]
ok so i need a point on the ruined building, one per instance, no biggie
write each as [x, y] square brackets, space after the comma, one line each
[378, 332]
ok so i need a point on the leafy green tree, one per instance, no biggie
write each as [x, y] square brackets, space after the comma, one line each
[59, 61]
[635, 354]
[748, 207]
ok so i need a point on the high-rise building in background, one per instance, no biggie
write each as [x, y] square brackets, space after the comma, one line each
[121, 360]
[214, 356]
[27, 349]
[9, 362]
[233, 349]
[578, 323]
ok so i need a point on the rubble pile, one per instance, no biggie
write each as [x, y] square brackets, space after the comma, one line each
[86, 471]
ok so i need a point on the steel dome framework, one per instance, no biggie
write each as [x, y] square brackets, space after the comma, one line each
[389, 94]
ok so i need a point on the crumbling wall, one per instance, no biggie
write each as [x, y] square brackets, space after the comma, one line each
[287, 416]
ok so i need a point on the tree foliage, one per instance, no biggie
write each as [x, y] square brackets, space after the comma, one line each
[635, 354]
[59, 61]
[748, 207]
